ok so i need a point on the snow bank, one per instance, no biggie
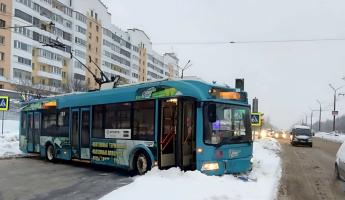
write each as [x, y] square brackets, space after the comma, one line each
[335, 137]
[9, 141]
[175, 184]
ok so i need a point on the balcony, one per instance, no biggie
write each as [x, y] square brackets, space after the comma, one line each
[49, 75]
[49, 62]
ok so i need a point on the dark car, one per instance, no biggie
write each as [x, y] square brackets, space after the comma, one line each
[301, 135]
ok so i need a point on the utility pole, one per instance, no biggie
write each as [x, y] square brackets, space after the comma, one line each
[311, 120]
[319, 115]
[334, 103]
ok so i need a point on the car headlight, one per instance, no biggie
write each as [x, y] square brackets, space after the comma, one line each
[284, 135]
[209, 166]
[276, 135]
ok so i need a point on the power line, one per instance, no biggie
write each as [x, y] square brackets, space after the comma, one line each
[250, 41]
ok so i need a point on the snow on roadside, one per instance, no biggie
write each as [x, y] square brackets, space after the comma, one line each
[9, 141]
[334, 137]
[175, 184]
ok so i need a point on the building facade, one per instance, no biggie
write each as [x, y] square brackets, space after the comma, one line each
[29, 62]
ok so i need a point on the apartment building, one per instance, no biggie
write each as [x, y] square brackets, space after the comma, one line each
[89, 39]
[5, 42]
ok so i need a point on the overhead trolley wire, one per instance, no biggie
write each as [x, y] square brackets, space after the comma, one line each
[250, 41]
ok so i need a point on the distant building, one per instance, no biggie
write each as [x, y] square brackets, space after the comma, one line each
[85, 27]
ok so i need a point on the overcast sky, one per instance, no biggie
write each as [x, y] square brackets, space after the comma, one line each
[286, 77]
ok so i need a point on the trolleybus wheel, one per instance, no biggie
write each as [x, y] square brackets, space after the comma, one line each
[50, 153]
[142, 163]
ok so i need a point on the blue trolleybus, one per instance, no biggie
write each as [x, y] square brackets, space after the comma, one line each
[169, 123]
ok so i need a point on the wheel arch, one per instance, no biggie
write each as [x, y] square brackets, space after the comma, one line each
[49, 143]
[137, 149]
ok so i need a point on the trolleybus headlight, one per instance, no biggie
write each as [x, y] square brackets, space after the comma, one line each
[209, 166]
[252, 160]
[284, 135]
[199, 150]
[276, 135]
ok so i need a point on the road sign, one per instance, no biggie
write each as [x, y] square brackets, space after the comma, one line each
[334, 112]
[4, 102]
[256, 119]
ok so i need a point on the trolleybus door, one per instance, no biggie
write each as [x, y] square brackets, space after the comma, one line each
[75, 134]
[85, 134]
[177, 133]
[168, 131]
[36, 131]
[30, 133]
[80, 133]
[188, 140]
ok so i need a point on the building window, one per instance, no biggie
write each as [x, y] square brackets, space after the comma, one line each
[1, 71]
[22, 15]
[96, 16]
[3, 7]
[2, 39]
[90, 24]
[2, 23]
[2, 56]
[97, 28]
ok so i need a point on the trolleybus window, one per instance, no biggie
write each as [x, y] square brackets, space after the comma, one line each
[143, 120]
[226, 124]
[97, 125]
[118, 116]
[55, 123]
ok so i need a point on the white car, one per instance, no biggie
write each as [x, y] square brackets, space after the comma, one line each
[340, 163]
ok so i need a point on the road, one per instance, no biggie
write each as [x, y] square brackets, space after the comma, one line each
[308, 173]
[32, 178]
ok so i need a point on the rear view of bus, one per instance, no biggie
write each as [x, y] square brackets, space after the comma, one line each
[227, 140]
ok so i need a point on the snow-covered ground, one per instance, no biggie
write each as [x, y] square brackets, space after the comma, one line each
[9, 141]
[335, 137]
[175, 184]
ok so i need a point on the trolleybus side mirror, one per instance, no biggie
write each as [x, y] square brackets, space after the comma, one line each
[212, 112]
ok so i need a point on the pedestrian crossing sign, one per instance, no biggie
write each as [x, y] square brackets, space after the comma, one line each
[256, 119]
[4, 103]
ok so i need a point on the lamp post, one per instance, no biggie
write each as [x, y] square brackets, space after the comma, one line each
[319, 114]
[334, 103]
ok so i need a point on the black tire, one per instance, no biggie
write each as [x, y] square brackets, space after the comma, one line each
[336, 172]
[50, 153]
[142, 163]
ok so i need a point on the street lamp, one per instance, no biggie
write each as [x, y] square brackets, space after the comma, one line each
[185, 67]
[334, 103]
